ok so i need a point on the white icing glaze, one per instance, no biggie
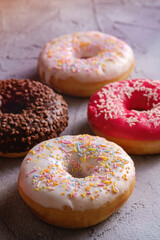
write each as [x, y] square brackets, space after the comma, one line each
[85, 56]
[102, 171]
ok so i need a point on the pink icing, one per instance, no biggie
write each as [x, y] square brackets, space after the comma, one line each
[127, 109]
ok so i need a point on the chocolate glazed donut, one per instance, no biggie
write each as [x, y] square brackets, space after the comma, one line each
[30, 112]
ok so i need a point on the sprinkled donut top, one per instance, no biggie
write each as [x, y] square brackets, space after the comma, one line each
[129, 109]
[85, 56]
[76, 171]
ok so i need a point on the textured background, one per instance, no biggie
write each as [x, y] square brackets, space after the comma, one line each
[25, 26]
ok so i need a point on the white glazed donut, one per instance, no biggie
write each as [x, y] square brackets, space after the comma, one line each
[81, 63]
[76, 181]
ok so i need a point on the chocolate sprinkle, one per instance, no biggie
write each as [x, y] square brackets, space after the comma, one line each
[30, 112]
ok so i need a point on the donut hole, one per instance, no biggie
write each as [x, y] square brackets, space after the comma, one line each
[13, 107]
[77, 170]
[87, 53]
[140, 101]
[138, 108]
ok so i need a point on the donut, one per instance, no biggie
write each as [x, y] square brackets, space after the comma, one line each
[30, 112]
[128, 113]
[76, 181]
[80, 64]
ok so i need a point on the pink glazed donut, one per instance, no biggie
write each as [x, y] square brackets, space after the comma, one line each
[128, 113]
